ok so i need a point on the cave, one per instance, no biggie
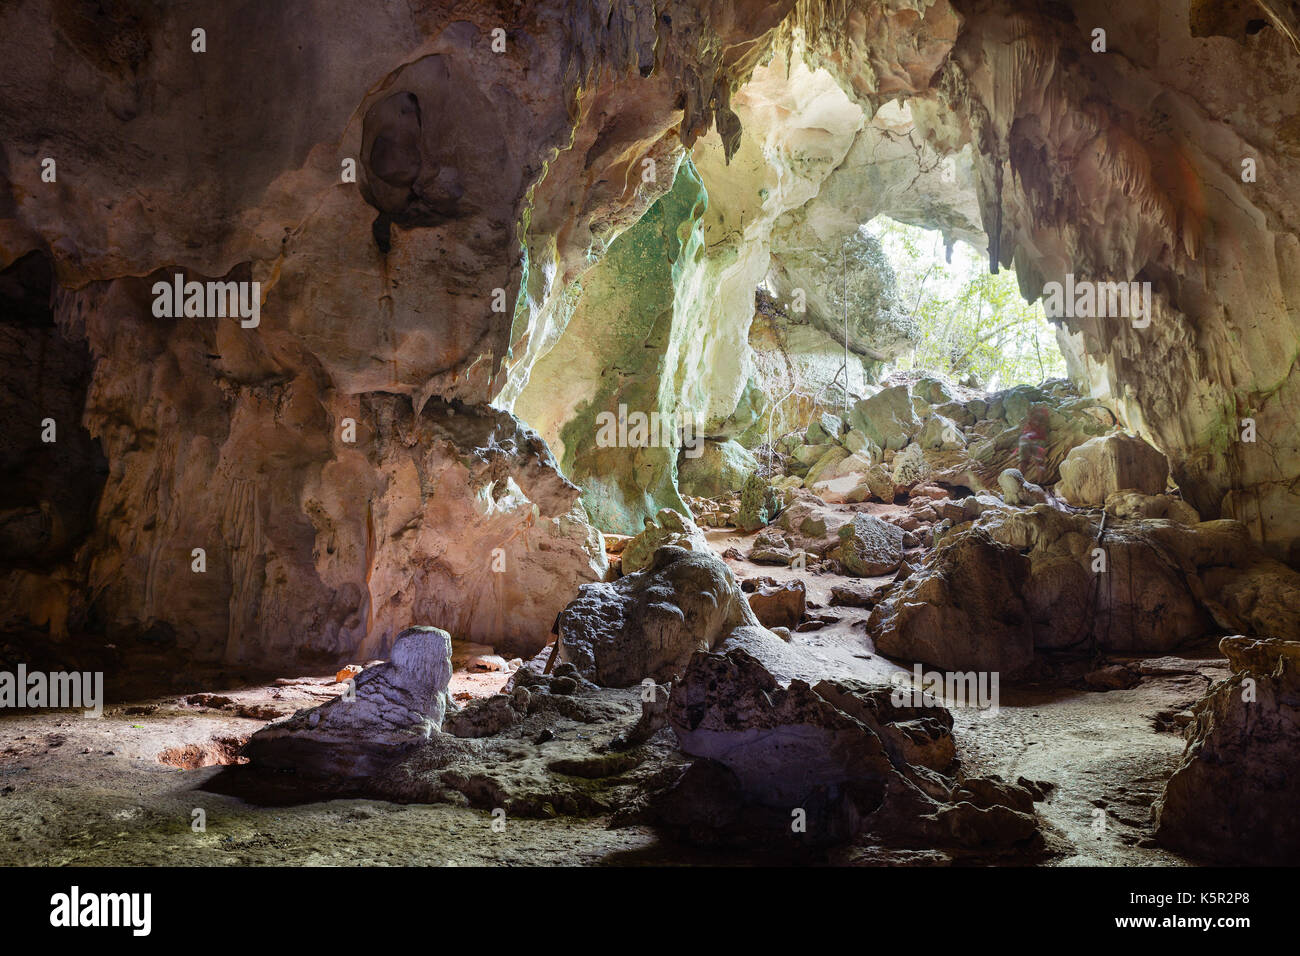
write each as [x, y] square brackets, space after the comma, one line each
[766, 432]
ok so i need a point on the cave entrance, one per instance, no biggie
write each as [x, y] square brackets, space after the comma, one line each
[969, 325]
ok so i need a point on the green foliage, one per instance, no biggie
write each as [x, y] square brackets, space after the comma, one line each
[967, 321]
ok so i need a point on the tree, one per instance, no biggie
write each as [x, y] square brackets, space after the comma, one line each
[967, 320]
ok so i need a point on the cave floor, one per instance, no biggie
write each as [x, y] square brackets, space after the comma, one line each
[123, 789]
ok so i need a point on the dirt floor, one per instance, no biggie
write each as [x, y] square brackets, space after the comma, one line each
[125, 789]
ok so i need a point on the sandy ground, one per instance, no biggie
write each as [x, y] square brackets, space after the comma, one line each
[124, 789]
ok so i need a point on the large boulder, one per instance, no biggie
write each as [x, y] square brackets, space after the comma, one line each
[713, 469]
[837, 481]
[1017, 580]
[729, 708]
[1134, 504]
[1101, 466]
[824, 428]
[779, 605]
[887, 418]
[870, 547]
[846, 758]
[809, 524]
[668, 527]
[392, 707]
[963, 611]
[941, 432]
[649, 623]
[1129, 588]
[1233, 797]
[910, 466]
[826, 465]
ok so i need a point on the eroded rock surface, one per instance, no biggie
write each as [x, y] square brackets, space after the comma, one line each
[649, 623]
[394, 707]
[1232, 798]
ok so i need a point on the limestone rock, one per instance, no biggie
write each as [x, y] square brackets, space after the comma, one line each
[876, 485]
[870, 547]
[1017, 491]
[779, 605]
[887, 418]
[669, 527]
[1134, 504]
[824, 428]
[859, 444]
[394, 707]
[825, 465]
[728, 708]
[1260, 656]
[650, 622]
[757, 504]
[1101, 466]
[840, 751]
[940, 432]
[965, 611]
[1232, 798]
[714, 468]
[910, 466]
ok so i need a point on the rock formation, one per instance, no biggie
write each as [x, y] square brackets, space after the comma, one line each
[394, 707]
[648, 624]
[1241, 759]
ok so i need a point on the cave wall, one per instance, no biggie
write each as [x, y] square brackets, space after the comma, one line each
[490, 179]
[1128, 165]
[394, 300]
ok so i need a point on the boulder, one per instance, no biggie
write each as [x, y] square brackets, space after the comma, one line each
[1101, 466]
[825, 464]
[650, 622]
[940, 432]
[1232, 798]
[1254, 594]
[824, 428]
[718, 469]
[810, 525]
[758, 503]
[964, 610]
[779, 605]
[782, 743]
[770, 547]
[1138, 594]
[809, 455]
[877, 485]
[870, 547]
[669, 527]
[1261, 656]
[931, 391]
[836, 482]
[393, 707]
[859, 444]
[1134, 504]
[887, 418]
[910, 466]
[1017, 491]
[841, 754]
